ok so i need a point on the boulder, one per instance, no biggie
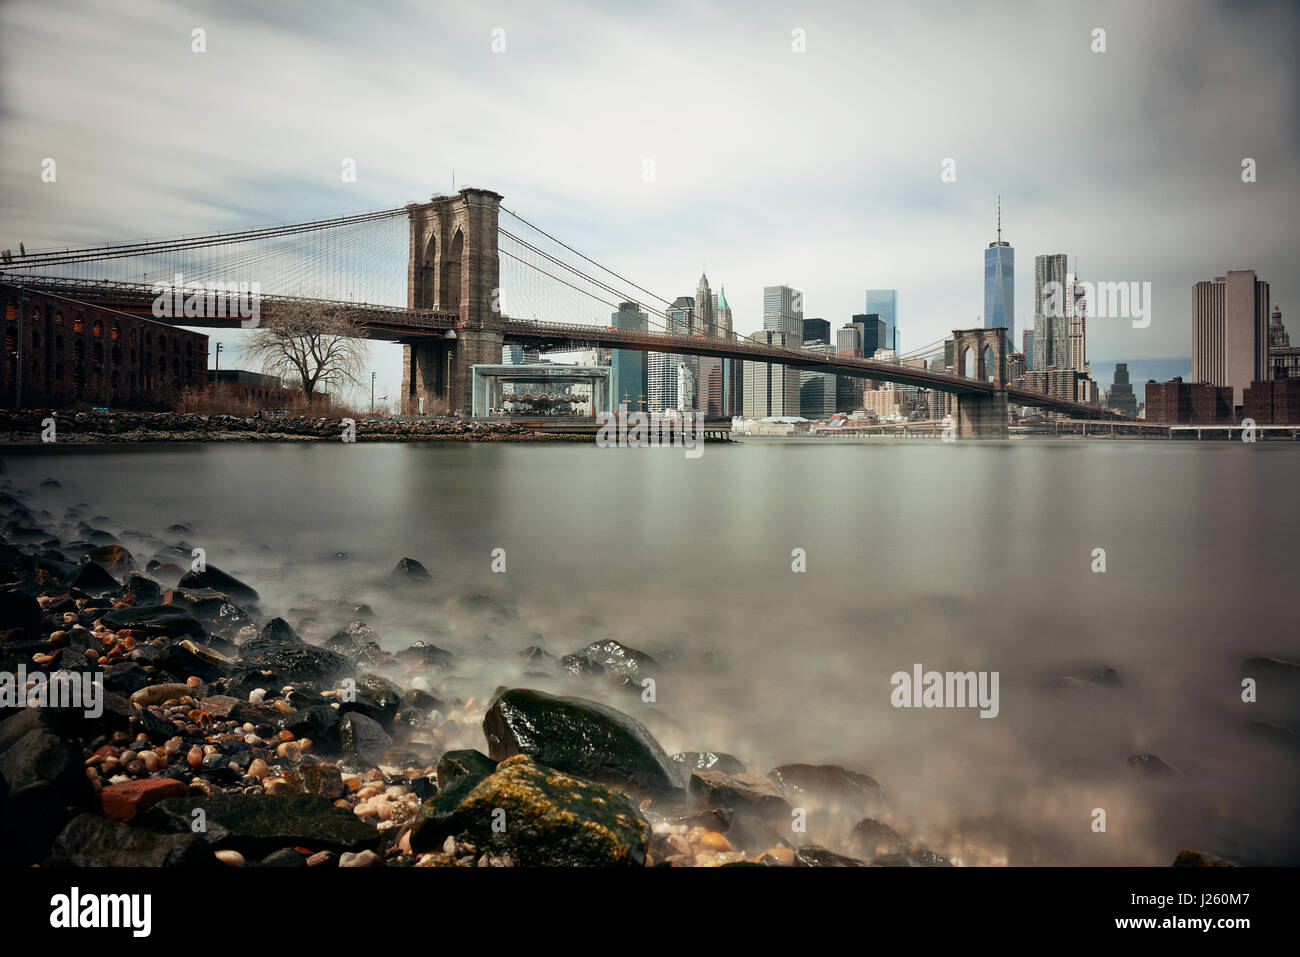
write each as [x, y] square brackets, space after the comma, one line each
[551, 819]
[256, 825]
[214, 578]
[93, 841]
[167, 620]
[579, 737]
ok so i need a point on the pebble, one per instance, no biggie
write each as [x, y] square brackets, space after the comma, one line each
[360, 859]
[195, 757]
[257, 696]
[230, 858]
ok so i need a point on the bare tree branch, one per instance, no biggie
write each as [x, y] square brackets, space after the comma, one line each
[309, 344]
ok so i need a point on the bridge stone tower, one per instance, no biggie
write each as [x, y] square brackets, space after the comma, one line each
[453, 267]
[982, 415]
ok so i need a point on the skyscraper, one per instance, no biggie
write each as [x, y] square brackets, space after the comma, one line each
[1027, 336]
[817, 390]
[771, 390]
[1000, 284]
[704, 324]
[1051, 332]
[1230, 331]
[884, 303]
[628, 368]
[783, 312]
[816, 330]
[1121, 397]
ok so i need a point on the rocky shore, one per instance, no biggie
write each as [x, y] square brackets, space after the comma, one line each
[27, 427]
[211, 732]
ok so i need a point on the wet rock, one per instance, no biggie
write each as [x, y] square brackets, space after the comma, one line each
[42, 756]
[93, 841]
[114, 559]
[305, 663]
[219, 614]
[460, 764]
[581, 666]
[708, 761]
[1189, 858]
[875, 838]
[813, 855]
[745, 793]
[122, 802]
[94, 579]
[375, 697]
[539, 658]
[363, 739]
[1106, 678]
[185, 658]
[1151, 764]
[285, 857]
[409, 570]
[424, 653]
[324, 780]
[319, 722]
[579, 737]
[167, 620]
[143, 589]
[257, 824]
[553, 819]
[620, 660]
[277, 631]
[828, 784]
[1275, 734]
[214, 578]
[360, 859]
[125, 678]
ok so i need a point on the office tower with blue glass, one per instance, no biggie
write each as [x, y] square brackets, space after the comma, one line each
[884, 302]
[1000, 285]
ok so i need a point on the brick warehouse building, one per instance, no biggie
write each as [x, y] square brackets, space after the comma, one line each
[1273, 402]
[1180, 403]
[68, 352]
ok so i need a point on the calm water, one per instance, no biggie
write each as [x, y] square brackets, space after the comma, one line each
[967, 556]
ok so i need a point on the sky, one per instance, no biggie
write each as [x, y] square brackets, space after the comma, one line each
[797, 143]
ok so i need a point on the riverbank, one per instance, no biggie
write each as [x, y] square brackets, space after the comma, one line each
[32, 426]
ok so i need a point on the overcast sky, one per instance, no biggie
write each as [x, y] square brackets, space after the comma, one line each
[820, 169]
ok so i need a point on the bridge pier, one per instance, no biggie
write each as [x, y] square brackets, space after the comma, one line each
[454, 265]
[981, 354]
[982, 416]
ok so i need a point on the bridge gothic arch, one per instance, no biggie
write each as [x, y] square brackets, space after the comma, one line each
[453, 267]
[981, 354]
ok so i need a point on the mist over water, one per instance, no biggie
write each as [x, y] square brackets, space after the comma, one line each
[973, 556]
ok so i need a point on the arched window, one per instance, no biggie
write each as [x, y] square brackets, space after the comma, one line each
[97, 329]
[79, 324]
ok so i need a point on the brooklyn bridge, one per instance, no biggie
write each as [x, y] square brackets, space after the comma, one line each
[476, 276]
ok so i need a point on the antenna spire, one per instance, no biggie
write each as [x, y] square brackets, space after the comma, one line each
[999, 219]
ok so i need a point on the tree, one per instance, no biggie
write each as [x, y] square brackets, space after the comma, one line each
[312, 344]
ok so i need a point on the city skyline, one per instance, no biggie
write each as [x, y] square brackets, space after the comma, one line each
[880, 217]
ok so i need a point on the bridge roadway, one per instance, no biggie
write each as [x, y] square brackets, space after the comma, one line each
[400, 324]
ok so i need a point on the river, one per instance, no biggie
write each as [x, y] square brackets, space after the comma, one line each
[964, 556]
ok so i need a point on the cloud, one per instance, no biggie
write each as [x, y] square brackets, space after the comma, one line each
[819, 169]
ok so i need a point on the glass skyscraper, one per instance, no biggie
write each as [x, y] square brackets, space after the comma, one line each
[1000, 285]
[628, 366]
[884, 302]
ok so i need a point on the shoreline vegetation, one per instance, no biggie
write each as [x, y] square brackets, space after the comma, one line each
[29, 426]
